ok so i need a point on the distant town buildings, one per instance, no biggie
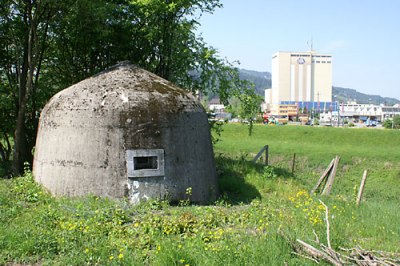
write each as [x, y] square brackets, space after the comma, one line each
[302, 92]
[216, 106]
[367, 112]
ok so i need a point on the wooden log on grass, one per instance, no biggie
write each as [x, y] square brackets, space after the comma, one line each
[361, 190]
[316, 253]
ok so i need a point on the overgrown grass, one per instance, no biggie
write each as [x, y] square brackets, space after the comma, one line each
[360, 149]
[262, 209]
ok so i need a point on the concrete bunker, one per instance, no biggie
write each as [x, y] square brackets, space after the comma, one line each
[125, 133]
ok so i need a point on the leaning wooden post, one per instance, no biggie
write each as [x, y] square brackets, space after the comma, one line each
[323, 176]
[266, 154]
[293, 162]
[260, 153]
[331, 178]
[361, 190]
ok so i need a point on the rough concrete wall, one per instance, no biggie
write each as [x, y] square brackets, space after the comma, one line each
[76, 155]
[192, 158]
[188, 160]
[85, 130]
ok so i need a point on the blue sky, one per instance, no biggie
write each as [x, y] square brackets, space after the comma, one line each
[363, 36]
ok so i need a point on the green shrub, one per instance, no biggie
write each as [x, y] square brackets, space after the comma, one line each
[387, 124]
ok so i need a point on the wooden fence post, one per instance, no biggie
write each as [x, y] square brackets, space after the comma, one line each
[293, 162]
[361, 190]
[323, 176]
[331, 178]
[266, 149]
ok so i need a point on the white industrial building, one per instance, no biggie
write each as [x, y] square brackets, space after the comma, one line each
[302, 78]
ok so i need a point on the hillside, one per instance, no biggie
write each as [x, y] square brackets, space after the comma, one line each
[345, 95]
[262, 81]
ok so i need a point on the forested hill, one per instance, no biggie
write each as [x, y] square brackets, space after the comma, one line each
[345, 95]
[262, 81]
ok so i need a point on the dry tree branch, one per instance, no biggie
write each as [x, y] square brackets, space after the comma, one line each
[357, 256]
[306, 257]
[316, 237]
[328, 238]
[319, 254]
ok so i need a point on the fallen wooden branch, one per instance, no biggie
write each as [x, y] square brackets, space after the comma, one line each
[318, 254]
[328, 237]
[306, 257]
[326, 253]
[357, 256]
[364, 257]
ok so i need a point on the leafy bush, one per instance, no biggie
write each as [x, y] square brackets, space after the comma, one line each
[387, 124]
[269, 172]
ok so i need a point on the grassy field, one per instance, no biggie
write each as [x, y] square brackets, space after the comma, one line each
[261, 212]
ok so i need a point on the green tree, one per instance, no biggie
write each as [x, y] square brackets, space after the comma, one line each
[48, 45]
[234, 107]
[24, 32]
[396, 121]
[6, 121]
[388, 123]
[88, 36]
[158, 35]
[250, 107]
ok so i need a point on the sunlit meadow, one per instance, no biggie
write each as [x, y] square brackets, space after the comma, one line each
[261, 211]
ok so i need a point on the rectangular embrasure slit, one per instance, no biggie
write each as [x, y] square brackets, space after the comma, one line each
[145, 162]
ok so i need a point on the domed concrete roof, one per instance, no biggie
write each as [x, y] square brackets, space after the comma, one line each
[124, 86]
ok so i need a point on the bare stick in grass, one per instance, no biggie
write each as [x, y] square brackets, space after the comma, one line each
[361, 190]
[328, 237]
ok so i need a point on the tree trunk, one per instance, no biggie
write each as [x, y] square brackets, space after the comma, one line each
[19, 141]
[25, 86]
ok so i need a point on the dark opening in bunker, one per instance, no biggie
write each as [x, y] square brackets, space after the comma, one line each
[145, 162]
